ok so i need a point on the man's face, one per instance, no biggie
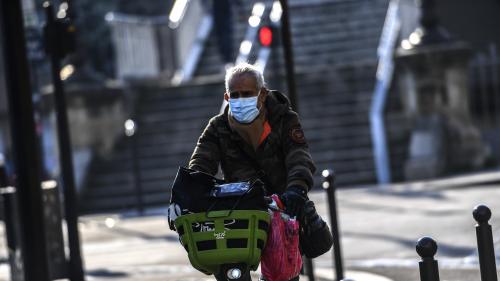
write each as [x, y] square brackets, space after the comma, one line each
[245, 86]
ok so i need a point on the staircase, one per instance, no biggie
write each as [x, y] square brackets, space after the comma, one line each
[169, 122]
[333, 105]
[335, 44]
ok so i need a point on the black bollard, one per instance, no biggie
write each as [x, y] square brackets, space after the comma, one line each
[426, 249]
[308, 264]
[130, 131]
[486, 250]
[329, 186]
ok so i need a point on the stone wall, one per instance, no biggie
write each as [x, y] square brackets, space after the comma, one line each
[96, 115]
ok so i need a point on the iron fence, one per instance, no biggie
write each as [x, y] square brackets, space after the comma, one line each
[484, 98]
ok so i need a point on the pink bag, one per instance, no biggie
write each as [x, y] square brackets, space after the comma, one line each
[281, 260]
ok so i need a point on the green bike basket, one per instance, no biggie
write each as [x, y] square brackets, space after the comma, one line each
[228, 237]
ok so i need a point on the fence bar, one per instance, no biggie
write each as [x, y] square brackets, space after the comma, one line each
[329, 186]
[495, 81]
[288, 53]
[426, 249]
[486, 250]
[139, 194]
[483, 82]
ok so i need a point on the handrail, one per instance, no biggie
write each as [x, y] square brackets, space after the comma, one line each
[186, 72]
[385, 71]
[182, 9]
[177, 13]
[117, 17]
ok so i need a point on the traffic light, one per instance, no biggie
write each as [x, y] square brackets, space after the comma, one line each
[266, 36]
[59, 35]
[269, 35]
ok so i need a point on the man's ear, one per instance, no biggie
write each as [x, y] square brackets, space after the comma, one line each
[226, 96]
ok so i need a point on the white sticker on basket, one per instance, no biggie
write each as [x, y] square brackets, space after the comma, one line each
[220, 235]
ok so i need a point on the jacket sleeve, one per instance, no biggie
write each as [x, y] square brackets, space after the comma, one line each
[206, 155]
[299, 164]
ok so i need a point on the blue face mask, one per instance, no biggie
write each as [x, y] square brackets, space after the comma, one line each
[244, 110]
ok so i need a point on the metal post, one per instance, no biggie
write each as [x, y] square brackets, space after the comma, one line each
[24, 140]
[309, 267]
[486, 250]
[329, 186]
[288, 52]
[3, 174]
[11, 219]
[426, 249]
[65, 155]
[130, 130]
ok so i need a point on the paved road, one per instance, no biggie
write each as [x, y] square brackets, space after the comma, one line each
[379, 227]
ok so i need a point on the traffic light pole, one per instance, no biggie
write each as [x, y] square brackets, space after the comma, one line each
[65, 152]
[292, 90]
[27, 156]
[288, 52]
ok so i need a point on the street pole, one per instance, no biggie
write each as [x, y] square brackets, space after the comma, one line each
[65, 152]
[27, 155]
[11, 224]
[288, 53]
[329, 186]
[130, 132]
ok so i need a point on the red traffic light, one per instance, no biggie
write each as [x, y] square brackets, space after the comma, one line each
[265, 36]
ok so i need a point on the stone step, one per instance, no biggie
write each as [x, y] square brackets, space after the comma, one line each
[335, 46]
[124, 203]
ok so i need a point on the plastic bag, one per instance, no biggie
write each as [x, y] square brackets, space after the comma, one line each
[230, 189]
[281, 259]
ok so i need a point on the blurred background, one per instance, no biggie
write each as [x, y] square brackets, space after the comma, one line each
[388, 91]
[161, 65]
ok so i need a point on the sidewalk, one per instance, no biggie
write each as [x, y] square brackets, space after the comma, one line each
[379, 227]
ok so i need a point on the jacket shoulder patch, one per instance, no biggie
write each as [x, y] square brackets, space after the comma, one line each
[297, 135]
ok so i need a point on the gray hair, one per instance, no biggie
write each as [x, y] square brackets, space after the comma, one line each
[244, 69]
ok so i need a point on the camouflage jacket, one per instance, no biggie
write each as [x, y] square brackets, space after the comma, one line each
[283, 156]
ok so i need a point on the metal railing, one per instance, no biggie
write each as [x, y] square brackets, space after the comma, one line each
[485, 88]
[163, 46]
[136, 44]
[190, 35]
[384, 77]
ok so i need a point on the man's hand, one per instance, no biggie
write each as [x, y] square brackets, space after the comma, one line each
[294, 199]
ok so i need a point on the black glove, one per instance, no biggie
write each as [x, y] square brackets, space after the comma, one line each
[294, 199]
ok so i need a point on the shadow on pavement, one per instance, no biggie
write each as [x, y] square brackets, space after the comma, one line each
[444, 249]
[106, 273]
